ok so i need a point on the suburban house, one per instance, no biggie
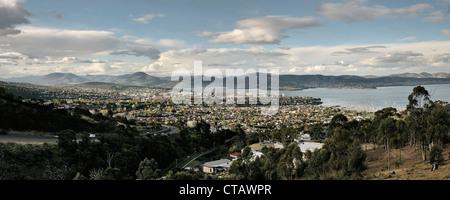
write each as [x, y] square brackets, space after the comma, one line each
[216, 166]
[234, 156]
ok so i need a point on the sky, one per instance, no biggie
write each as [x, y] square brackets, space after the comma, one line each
[330, 37]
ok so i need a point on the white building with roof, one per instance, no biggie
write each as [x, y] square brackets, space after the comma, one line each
[311, 146]
[216, 166]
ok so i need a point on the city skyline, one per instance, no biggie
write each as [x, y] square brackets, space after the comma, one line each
[354, 37]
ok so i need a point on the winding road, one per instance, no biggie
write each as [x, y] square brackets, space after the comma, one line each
[185, 161]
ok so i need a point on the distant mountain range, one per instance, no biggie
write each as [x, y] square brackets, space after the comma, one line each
[63, 79]
[286, 81]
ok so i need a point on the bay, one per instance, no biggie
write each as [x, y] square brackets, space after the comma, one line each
[371, 99]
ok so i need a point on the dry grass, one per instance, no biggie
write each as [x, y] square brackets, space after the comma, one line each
[256, 147]
[411, 167]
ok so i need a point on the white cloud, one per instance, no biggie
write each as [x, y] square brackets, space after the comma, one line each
[359, 50]
[15, 64]
[206, 33]
[163, 44]
[353, 11]
[408, 38]
[446, 31]
[255, 57]
[261, 30]
[70, 60]
[394, 59]
[439, 59]
[42, 42]
[146, 18]
[436, 16]
[375, 59]
[314, 69]
[169, 43]
[12, 55]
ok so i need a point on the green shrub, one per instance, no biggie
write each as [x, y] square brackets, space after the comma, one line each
[436, 155]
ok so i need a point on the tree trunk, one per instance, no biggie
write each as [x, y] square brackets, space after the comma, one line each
[389, 154]
[424, 152]
[109, 157]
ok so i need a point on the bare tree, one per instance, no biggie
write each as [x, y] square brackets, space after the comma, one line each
[93, 173]
[109, 157]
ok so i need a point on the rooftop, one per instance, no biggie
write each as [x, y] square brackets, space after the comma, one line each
[225, 163]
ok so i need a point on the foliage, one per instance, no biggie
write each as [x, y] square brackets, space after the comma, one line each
[18, 115]
[148, 169]
[436, 155]
[120, 152]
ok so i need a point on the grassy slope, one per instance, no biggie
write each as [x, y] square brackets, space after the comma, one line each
[411, 168]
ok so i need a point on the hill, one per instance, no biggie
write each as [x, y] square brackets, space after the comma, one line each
[294, 82]
[60, 79]
[412, 166]
[136, 79]
[421, 75]
[23, 116]
[106, 86]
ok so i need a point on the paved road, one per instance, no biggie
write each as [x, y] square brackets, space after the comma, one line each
[24, 139]
[165, 130]
[184, 162]
[173, 129]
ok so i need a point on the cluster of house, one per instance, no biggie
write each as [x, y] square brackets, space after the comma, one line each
[224, 164]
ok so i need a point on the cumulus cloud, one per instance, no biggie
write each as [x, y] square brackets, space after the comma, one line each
[11, 15]
[376, 59]
[15, 64]
[440, 59]
[42, 42]
[206, 33]
[169, 43]
[255, 57]
[353, 11]
[394, 59]
[314, 69]
[261, 30]
[70, 60]
[146, 18]
[5, 32]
